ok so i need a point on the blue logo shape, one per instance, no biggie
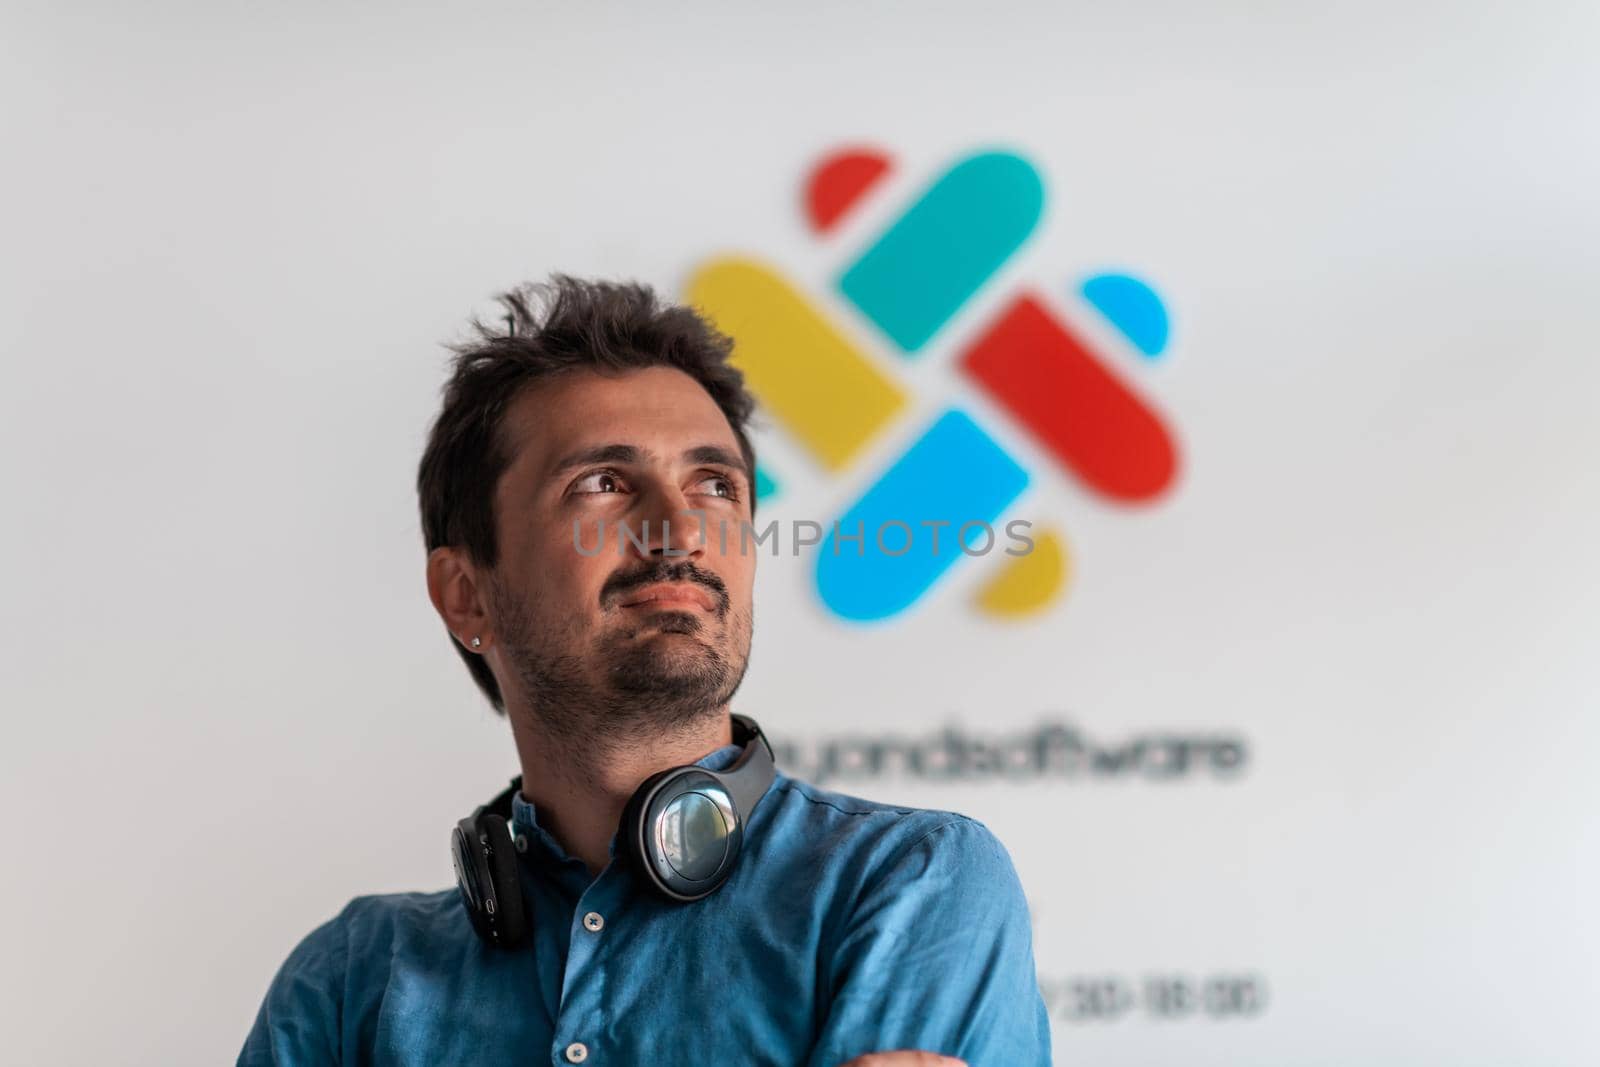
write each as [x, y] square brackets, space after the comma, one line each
[1132, 307]
[766, 485]
[955, 474]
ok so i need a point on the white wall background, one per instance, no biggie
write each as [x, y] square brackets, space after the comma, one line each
[234, 236]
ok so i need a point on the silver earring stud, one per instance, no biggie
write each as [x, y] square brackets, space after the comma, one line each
[477, 642]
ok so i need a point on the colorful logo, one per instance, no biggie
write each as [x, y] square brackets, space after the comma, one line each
[823, 385]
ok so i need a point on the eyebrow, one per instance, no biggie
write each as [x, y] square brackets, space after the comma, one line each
[619, 453]
[597, 454]
[718, 455]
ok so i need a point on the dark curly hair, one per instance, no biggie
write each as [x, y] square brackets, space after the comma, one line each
[548, 329]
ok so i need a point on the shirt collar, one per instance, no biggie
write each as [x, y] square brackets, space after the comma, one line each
[525, 818]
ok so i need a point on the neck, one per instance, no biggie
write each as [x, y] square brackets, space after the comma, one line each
[580, 786]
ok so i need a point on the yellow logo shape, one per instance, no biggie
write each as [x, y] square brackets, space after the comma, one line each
[823, 389]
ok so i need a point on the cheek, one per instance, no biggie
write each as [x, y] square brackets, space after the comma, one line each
[581, 540]
[566, 570]
[581, 578]
[738, 570]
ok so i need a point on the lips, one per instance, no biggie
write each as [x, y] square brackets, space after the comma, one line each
[670, 594]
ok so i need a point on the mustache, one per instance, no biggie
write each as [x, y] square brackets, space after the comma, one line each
[623, 582]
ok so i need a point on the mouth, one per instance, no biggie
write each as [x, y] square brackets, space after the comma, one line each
[664, 595]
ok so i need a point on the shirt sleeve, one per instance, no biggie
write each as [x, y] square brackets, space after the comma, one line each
[298, 1024]
[937, 955]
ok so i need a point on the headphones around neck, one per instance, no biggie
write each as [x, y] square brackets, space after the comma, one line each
[681, 832]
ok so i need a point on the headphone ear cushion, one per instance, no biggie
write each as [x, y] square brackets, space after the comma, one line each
[630, 835]
[511, 918]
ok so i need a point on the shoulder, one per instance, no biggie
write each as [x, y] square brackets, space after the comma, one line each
[382, 925]
[874, 887]
[871, 845]
[797, 798]
[853, 818]
[371, 928]
[336, 972]
[376, 913]
[925, 939]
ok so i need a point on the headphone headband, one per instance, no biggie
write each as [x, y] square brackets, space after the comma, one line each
[750, 775]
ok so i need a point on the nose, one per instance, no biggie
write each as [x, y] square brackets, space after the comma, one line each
[669, 528]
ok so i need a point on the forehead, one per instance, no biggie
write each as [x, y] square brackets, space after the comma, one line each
[658, 409]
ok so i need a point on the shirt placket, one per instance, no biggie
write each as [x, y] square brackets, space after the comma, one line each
[580, 1025]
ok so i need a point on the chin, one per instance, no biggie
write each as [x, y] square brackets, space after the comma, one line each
[670, 665]
[673, 657]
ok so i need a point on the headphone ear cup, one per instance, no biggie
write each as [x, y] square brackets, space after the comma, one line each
[472, 876]
[630, 836]
[511, 917]
[681, 833]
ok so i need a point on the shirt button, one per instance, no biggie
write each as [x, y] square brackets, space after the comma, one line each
[522, 842]
[594, 922]
[577, 1052]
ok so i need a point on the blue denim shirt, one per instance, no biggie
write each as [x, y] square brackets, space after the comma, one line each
[847, 927]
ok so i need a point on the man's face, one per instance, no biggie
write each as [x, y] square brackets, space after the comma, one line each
[644, 631]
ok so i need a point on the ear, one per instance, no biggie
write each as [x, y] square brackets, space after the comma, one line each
[458, 595]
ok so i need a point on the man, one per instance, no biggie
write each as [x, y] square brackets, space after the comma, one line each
[847, 928]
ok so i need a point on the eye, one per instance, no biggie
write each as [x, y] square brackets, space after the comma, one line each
[598, 482]
[721, 485]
